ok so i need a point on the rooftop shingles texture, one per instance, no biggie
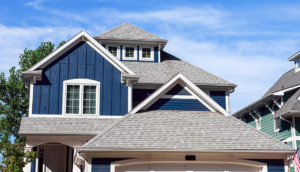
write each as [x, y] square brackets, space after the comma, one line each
[127, 31]
[291, 105]
[51, 125]
[287, 80]
[160, 73]
[184, 131]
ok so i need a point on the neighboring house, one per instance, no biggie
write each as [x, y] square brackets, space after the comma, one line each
[118, 102]
[277, 113]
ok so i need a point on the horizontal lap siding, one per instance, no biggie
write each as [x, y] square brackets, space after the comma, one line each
[267, 125]
[219, 97]
[178, 104]
[82, 61]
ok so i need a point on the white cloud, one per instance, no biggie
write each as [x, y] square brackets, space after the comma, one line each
[15, 39]
[35, 4]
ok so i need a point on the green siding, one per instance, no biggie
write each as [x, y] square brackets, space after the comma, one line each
[297, 126]
[267, 125]
[290, 144]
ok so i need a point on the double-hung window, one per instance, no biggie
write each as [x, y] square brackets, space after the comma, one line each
[129, 52]
[113, 50]
[81, 97]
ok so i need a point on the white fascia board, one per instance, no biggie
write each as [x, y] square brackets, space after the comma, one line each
[209, 103]
[294, 57]
[281, 93]
[82, 36]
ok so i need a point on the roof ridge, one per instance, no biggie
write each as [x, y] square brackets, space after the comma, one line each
[112, 29]
[106, 130]
[249, 126]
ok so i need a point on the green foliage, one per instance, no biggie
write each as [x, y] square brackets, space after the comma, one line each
[13, 106]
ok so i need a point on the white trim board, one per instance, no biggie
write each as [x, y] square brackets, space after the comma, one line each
[82, 36]
[189, 86]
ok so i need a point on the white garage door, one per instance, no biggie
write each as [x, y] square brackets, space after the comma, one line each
[184, 168]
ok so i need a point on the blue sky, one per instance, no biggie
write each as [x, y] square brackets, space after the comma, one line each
[244, 42]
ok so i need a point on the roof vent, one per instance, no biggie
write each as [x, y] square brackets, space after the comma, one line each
[190, 157]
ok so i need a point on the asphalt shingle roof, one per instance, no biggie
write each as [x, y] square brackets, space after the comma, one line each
[287, 80]
[290, 106]
[51, 125]
[160, 73]
[200, 131]
[127, 31]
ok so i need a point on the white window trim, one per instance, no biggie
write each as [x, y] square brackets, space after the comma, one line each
[118, 49]
[151, 54]
[81, 83]
[277, 127]
[134, 53]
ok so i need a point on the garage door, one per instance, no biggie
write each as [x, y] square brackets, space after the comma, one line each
[184, 168]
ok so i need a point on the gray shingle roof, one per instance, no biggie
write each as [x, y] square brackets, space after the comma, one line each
[292, 105]
[160, 73]
[129, 32]
[200, 131]
[52, 125]
[287, 80]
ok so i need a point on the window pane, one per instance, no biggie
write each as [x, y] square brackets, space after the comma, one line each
[72, 104]
[146, 52]
[129, 52]
[113, 50]
[89, 100]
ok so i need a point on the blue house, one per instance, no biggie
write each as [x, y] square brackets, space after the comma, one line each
[118, 102]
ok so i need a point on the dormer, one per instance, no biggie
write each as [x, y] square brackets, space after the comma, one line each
[296, 59]
[130, 43]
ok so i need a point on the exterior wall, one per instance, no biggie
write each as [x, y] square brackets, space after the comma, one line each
[267, 125]
[141, 94]
[82, 61]
[297, 126]
[178, 104]
[104, 164]
[219, 97]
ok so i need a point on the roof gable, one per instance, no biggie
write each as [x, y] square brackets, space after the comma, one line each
[129, 32]
[81, 36]
[202, 97]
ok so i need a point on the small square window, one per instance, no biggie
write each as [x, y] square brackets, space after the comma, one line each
[129, 52]
[146, 52]
[113, 50]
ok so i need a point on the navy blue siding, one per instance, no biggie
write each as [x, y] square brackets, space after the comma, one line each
[178, 90]
[219, 97]
[103, 164]
[138, 95]
[82, 61]
[178, 104]
[155, 54]
[274, 165]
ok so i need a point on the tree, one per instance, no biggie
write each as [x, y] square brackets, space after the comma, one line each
[13, 106]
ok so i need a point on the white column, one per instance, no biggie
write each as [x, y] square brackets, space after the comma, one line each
[27, 167]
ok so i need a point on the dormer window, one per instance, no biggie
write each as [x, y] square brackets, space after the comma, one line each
[146, 54]
[81, 97]
[129, 53]
[114, 50]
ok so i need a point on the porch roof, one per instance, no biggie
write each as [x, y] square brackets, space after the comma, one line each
[189, 131]
[63, 126]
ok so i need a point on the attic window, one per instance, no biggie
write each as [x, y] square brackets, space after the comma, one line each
[146, 54]
[113, 50]
[129, 52]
